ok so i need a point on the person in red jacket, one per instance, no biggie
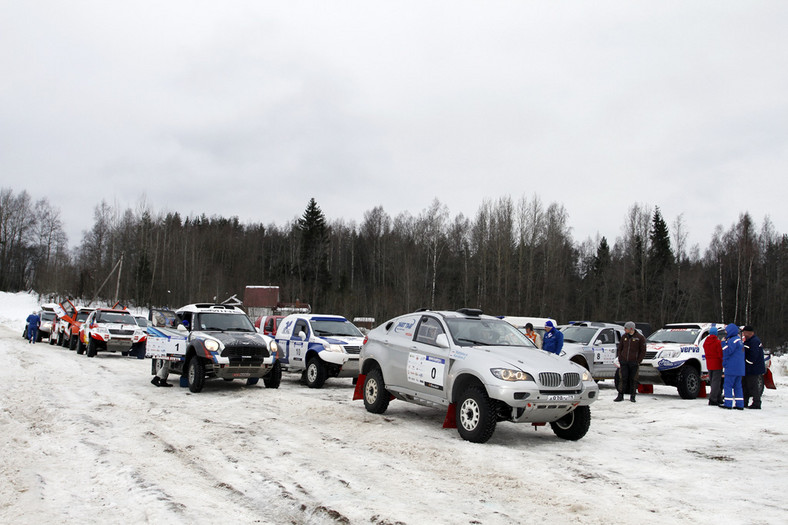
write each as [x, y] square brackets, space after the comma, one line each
[713, 349]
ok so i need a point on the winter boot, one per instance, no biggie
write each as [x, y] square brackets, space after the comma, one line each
[620, 397]
[632, 398]
[163, 383]
[156, 381]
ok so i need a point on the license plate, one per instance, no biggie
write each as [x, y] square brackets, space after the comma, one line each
[560, 398]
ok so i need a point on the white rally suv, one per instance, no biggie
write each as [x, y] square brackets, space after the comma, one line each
[320, 346]
[478, 368]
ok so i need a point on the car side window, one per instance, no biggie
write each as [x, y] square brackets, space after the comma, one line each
[606, 337]
[301, 326]
[428, 331]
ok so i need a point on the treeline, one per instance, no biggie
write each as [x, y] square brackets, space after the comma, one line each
[514, 257]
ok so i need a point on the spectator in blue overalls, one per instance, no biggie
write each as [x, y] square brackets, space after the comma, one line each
[33, 320]
[733, 365]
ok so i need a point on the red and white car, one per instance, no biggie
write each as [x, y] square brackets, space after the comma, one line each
[111, 330]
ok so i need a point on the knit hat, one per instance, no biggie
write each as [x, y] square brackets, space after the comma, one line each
[550, 324]
[713, 330]
[747, 328]
[629, 326]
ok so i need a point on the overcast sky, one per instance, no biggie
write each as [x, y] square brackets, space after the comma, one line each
[250, 108]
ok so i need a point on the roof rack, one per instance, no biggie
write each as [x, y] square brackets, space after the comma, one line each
[475, 312]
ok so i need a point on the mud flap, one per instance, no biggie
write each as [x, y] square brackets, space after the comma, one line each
[768, 380]
[358, 392]
[702, 391]
[451, 417]
[184, 382]
[645, 389]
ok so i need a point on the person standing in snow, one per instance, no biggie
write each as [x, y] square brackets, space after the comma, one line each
[553, 340]
[33, 321]
[533, 335]
[630, 352]
[712, 347]
[754, 368]
[733, 365]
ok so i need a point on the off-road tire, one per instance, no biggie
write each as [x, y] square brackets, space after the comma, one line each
[376, 398]
[316, 373]
[92, 347]
[274, 378]
[688, 382]
[574, 425]
[475, 416]
[195, 373]
[72, 342]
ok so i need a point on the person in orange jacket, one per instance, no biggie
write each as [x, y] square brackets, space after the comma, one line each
[713, 349]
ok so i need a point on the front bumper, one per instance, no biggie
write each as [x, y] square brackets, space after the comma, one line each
[347, 362]
[242, 369]
[530, 403]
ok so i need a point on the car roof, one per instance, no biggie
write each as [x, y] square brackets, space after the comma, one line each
[462, 313]
[210, 307]
[595, 324]
[699, 326]
[113, 310]
[320, 317]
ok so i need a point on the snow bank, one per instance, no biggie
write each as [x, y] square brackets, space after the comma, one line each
[15, 307]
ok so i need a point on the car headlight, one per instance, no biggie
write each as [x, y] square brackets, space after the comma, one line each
[102, 330]
[211, 345]
[670, 353]
[335, 348]
[509, 374]
[274, 348]
[586, 375]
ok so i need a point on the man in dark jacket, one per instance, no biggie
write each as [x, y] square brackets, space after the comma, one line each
[754, 367]
[631, 351]
[553, 340]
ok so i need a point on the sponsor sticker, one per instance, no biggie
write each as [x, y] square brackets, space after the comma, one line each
[426, 370]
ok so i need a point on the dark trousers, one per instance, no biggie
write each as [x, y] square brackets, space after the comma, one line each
[751, 389]
[629, 375]
[715, 382]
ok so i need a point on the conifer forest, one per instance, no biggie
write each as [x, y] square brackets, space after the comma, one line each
[513, 257]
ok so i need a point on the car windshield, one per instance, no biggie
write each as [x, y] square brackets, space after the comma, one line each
[324, 327]
[486, 332]
[81, 316]
[222, 322]
[47, 316]
[114, 317]
[578, 334]
[674, 335]
[142, 321]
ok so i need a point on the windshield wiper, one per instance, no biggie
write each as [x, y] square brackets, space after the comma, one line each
[473, 342]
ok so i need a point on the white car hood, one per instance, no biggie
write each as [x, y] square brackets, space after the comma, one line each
[524, 358]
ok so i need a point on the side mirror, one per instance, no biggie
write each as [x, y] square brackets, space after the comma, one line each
[302, 335]
[442, 341]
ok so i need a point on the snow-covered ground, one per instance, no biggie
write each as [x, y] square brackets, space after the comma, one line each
[91, 440]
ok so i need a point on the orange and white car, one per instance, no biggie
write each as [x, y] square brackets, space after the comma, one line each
[111, 330]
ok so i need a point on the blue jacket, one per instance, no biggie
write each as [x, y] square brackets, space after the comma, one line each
[33, 320]
[553, 341]
[733, 352]
[753, 357]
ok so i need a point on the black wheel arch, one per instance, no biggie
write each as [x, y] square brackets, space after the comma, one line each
[462, 383]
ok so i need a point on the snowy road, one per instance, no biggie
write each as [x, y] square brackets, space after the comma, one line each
[91, 440]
